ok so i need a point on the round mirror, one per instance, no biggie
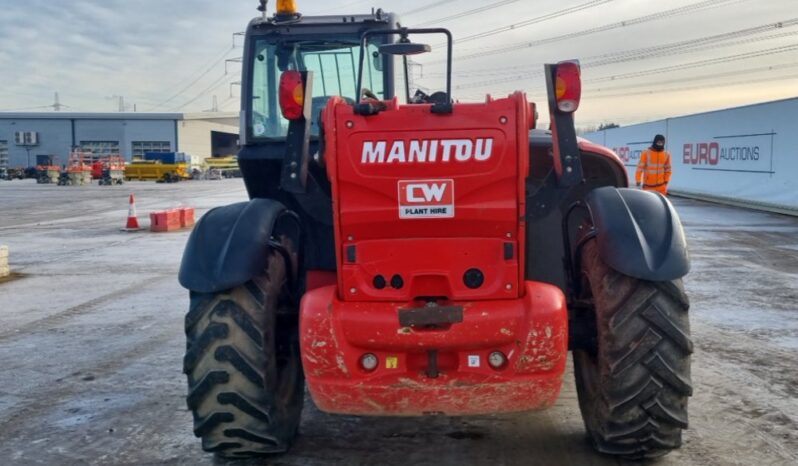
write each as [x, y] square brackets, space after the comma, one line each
[404, 48]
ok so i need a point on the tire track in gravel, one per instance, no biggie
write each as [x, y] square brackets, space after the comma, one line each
[64, 389]
[62, 256]
[753, 384]
[60, 317]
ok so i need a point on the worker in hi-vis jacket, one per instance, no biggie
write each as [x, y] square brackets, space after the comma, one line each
[654, 170]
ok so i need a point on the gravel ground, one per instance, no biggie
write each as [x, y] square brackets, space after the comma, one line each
[91, 345]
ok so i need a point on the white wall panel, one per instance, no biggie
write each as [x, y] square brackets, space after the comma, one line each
[745, 154]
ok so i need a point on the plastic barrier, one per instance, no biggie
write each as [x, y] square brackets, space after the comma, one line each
[172, 219]
[165, 220]
[186, 217]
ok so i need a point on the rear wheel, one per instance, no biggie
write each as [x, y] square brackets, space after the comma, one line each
[633, 384]
[245, 380]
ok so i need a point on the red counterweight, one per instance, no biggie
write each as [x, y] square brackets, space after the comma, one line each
[431, 312]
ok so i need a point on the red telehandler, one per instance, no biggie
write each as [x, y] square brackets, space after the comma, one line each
[427, 257]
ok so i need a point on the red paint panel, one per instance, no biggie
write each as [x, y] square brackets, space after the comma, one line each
[531, 332]
[319, 278]
[587, 146]
[430, 267]
[406, 177]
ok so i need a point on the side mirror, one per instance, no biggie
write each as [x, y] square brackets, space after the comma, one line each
[404, 48]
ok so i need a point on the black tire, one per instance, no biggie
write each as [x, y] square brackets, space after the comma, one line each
[245, 379]
[633, 385]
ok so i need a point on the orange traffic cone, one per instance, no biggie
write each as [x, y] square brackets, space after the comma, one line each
[132, 220]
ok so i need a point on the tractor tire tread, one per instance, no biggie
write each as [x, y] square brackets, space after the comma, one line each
[248, 406]
[204, 386]
[213, 332]
[240, 362]
[249, 436]
[227, 368]
[640, 406]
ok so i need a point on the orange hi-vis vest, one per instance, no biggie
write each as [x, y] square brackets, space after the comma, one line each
[654, 170]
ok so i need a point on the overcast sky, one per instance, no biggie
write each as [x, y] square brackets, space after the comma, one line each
[642, 59]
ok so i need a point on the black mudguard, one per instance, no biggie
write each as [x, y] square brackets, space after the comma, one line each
[639, 233]
[229, 245]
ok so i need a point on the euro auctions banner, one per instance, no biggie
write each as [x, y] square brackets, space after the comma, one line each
[745, 154]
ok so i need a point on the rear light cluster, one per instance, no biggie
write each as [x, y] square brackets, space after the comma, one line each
[497, 360]
[369, 361]
[568, 86]
[292, 95]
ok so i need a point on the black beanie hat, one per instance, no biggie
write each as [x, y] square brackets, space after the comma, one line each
[657, 138]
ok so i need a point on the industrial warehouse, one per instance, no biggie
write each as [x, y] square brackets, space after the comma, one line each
[24, 136]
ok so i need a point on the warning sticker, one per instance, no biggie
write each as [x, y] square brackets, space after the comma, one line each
[473, 360]
[426, 199]
[391, 362]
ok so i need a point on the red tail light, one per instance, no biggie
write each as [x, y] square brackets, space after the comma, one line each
[292, 95]
[568, 86]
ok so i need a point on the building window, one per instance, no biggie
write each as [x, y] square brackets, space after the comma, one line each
[142, 147]
[3, 154]
[100, 148]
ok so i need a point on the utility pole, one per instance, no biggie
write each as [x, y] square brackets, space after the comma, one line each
[57, 103]
[120, 101]
[234, 83]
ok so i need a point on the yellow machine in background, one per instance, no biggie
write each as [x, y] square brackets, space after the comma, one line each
[156, 170]
[226, 167]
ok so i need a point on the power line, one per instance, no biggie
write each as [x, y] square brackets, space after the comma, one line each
[425, 7]
[694, 64]
[228, 101]
[699, 43]
[690, 45]
[705, 43]
[712, 76]
[219, 81]
[539, 19]
[699, 63]
[214, 62]
[715, 77]
[481, 53]
[339, 8]
[692, 88]
[467, 12]
[215, 84]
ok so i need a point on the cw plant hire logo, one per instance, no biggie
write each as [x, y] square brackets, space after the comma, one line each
[426, 198]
